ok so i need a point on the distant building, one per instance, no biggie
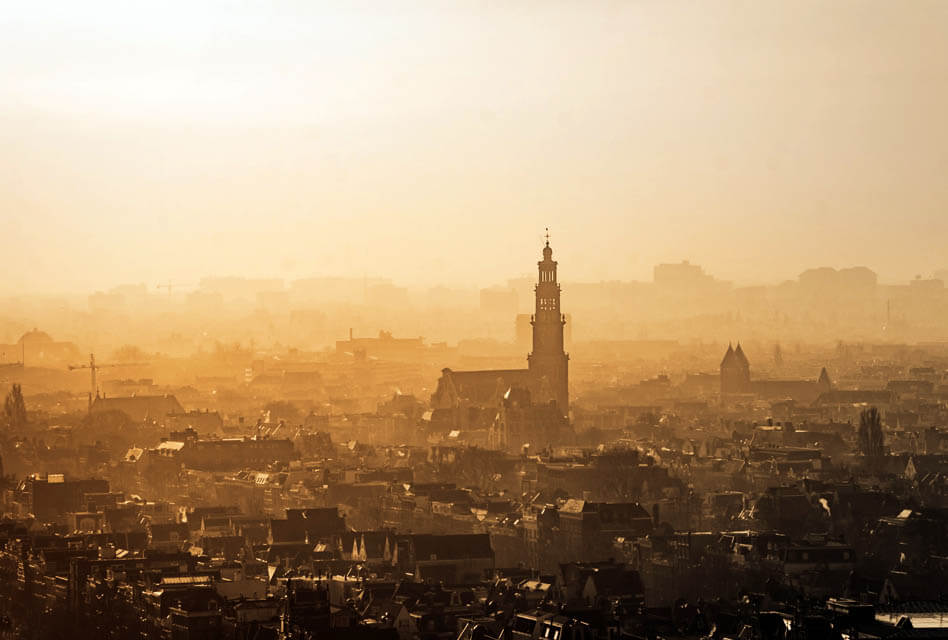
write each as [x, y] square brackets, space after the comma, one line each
[588, 528]
[452, 559]
[735, 371]
[37, 349]
[736, 380]
[201, 421]
[682, 275]
[384, 347]
[139, 408]
[829, 281]
[52, 496]
[227, 454]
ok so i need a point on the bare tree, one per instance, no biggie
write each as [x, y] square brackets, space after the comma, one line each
[871, 438]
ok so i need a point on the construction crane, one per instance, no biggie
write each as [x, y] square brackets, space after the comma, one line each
[170, 286]
[93, 367]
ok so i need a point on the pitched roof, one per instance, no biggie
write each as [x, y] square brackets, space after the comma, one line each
[481, 386]
[138, 408]
[306, 524]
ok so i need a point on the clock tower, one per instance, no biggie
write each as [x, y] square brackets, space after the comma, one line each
[548, 359]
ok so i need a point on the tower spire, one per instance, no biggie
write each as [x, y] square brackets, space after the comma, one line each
[548, 359]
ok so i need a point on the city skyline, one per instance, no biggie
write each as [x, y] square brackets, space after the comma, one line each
[470, 320]
[282, 281]
[754, 139]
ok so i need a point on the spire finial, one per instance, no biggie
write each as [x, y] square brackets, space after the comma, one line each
[547, 236]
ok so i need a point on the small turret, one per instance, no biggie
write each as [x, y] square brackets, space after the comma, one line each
[728, 356]
[735, 371]
[739, 354]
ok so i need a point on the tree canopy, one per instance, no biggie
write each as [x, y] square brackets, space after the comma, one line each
[14, 407]
[871, 438]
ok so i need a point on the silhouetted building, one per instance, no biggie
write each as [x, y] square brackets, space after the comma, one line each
[37, 348]
[735, 371]
[736, 380]
[473, 399]
[52, 496]
[139, 408]
[548, 359]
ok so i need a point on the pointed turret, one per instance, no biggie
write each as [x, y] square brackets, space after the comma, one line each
[739, 354]
[728, 355]
[825, 381]
[735, 371]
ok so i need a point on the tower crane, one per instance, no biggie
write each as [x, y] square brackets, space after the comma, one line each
[92, 366]
[170, 286]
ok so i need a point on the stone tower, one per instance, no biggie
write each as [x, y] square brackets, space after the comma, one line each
[548, 359]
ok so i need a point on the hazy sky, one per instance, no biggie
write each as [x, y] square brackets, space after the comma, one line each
[433, 141]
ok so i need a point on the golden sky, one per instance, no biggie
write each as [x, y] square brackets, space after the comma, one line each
[433, 141]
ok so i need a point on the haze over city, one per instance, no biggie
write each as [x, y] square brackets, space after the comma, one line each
[425, 143]
[426, 320]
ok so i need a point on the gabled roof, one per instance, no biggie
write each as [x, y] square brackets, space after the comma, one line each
[306, 524]
[138, 408]
[481, 386]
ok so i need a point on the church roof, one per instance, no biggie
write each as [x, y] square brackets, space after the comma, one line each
[739, 354]
[481, 386]
[735, 357]
[728, 355]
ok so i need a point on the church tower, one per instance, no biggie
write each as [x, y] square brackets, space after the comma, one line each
[548, 359]
[735, 371]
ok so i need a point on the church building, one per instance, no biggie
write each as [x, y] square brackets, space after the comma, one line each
[516, 406]
[736, 382]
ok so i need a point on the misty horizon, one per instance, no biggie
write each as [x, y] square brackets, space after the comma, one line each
[160, 288]
[470, 320]
[755, 140]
